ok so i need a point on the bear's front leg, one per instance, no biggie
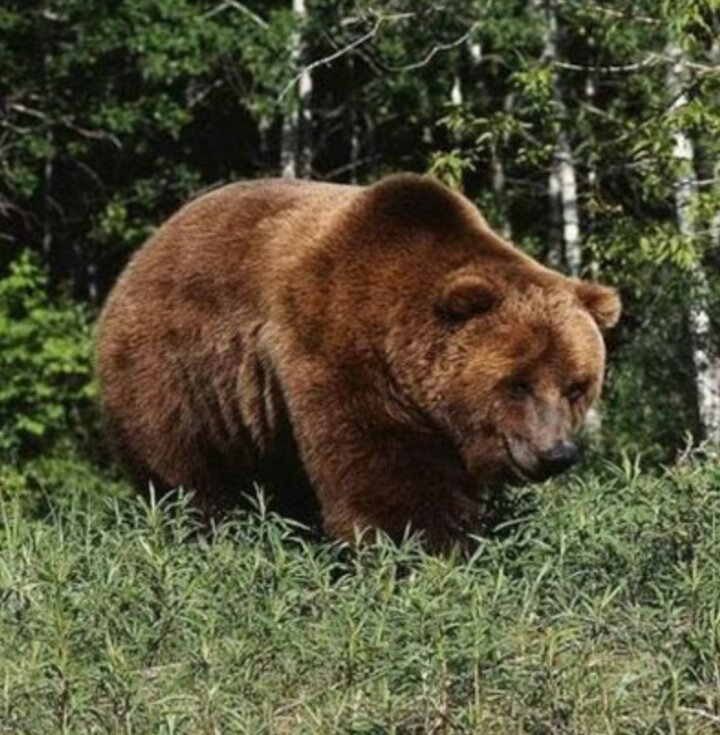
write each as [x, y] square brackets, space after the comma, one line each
[395, 485]
[370, 463]
[372, 477]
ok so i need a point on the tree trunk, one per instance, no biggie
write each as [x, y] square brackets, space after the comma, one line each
[706, 360]
[566, 247]
[456, 93]
[590, 161]
[47, 201]
[569, 205]
[296, 147]
[499, 182]
[497, 170]
[354, 123]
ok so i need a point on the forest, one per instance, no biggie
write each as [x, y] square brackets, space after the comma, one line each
[588, 134]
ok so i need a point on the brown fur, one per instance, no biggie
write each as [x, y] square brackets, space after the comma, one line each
[382, 340]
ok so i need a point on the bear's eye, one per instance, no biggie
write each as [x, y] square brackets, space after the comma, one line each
[576, 391]
[520, 388]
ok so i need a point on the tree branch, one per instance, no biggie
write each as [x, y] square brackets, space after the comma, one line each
[433, 52]
[613, 13]
[234, 4]
[336, 54]
[649, 61]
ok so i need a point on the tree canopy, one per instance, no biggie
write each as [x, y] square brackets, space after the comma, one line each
[585, 131]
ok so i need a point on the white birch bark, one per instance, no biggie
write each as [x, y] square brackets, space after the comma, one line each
[592, 174]
[706, 360]
[499, 181]
[498, 187]
[555, 251]
[296, 147]
[497, 170]
[457, 96]
[562, 183]
[569, 205]
[590, 94]
[456, 93]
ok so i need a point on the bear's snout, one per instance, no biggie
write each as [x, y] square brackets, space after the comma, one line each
[532, 464]
[559, 458]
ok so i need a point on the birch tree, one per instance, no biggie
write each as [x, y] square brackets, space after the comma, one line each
[496, 142]
[497, 166]
[296, 150]
[706, 359]
[562, 182]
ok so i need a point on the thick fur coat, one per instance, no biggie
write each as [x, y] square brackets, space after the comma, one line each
[381, 343]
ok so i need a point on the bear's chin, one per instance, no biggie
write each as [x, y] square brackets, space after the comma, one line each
[516, 473]
[508, 476]
[491, 476]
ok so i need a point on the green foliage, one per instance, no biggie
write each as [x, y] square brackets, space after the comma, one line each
[116, 113]
[649, 399]
[113, 113]
[594, 609]
[45, 360]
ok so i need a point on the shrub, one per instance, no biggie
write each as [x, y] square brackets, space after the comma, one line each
[45, 360]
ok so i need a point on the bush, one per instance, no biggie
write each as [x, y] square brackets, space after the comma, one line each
[594, 610]
[45, 361]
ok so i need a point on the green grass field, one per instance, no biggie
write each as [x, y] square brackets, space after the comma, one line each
[594, 609]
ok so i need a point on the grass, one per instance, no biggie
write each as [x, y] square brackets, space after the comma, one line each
[596, 609]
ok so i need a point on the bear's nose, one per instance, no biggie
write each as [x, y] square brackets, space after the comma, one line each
[559, 458]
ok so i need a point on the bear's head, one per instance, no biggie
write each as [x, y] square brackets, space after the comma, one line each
[509, 357]
[521, 365]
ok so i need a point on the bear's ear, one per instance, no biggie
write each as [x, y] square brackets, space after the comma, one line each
[463, 295]
[411, 200]
[602, 302]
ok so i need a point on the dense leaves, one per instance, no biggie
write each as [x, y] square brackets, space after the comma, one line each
[112, 114]
[593, 606]
[44, 360]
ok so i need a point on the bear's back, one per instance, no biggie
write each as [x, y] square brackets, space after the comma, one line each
[214, 245]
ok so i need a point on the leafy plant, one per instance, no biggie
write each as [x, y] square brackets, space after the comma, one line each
[45, 359]
[594, 609]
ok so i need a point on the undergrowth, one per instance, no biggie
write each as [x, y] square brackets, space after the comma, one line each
[594, 608]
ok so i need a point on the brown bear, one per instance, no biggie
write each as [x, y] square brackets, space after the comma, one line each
[383, 341]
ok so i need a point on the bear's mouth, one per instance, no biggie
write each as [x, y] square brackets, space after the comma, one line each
[517, 468]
